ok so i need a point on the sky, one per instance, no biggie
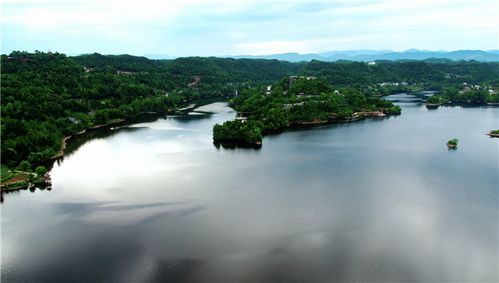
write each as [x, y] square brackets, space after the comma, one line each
[246, 27]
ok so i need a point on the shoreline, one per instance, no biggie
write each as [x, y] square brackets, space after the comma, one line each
[460, 103]
[60, 153]
[228, 143]
[26, 180]
[44, 182]
[158, 114]
[119, 121]
[432, 105]
[357, 116]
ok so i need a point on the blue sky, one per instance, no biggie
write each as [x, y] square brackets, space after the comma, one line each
[223, 27]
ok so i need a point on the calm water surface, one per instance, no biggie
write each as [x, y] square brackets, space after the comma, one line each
[375, 200]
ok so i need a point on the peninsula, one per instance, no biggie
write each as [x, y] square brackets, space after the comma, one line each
[295, 101]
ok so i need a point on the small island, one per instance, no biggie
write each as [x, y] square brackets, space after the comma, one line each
[493, 134]
[452, 143]
[238, 132]
[296, 101]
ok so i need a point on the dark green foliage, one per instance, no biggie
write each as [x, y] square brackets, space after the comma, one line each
[394, 110]
[48, 96]
[437, 99]
[309, 87]
[312, 101]
[472, 96]
[493, 97]
[237, 131]
[20, 184]
[433, 75]
[24, 166]
[40, 171]
[466, 96]
[434, 99]
[453, 142]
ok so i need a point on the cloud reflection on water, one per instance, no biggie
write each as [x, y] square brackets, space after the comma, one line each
[366, 201]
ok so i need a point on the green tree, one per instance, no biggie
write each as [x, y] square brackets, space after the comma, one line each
[40, 171]
[24, 166]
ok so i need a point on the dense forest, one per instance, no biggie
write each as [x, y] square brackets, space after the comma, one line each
[46, 96]
[466, 95]
[432, 75]
[296, 101]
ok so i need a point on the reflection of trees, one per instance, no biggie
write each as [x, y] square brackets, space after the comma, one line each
[31, 189]
[235, 145]
[184, 117]
[77, 141]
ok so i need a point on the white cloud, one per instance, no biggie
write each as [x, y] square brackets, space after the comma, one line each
[88, 13]
[254, 27]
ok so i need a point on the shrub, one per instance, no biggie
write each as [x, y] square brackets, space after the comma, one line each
[40, 171]
[24, 166]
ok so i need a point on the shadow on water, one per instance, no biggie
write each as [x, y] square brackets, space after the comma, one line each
[15, 192]
[236, 145]
[76, 142]
[187, 117]
[200, 110]
[332, 124]
[296, 211]
[181, 116]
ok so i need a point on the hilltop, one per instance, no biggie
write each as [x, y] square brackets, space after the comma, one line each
[366, 55]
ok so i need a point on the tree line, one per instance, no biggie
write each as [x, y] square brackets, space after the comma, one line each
[302, 101]
[48, 96]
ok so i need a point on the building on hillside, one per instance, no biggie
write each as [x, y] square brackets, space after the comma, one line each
[269, 89]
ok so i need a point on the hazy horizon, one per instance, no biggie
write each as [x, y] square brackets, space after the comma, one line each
[229, 28]
[255, 55]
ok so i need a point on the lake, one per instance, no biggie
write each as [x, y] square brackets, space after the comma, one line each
[373, 200]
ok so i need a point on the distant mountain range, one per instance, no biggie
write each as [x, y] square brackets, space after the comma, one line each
[366, 55]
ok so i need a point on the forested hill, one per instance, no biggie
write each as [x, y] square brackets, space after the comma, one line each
[46, 96]
[431, 75]
[181, 70]
[344, 73]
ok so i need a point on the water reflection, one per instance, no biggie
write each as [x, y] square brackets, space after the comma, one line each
[79, 140]
[236, 146]
[375, 200]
